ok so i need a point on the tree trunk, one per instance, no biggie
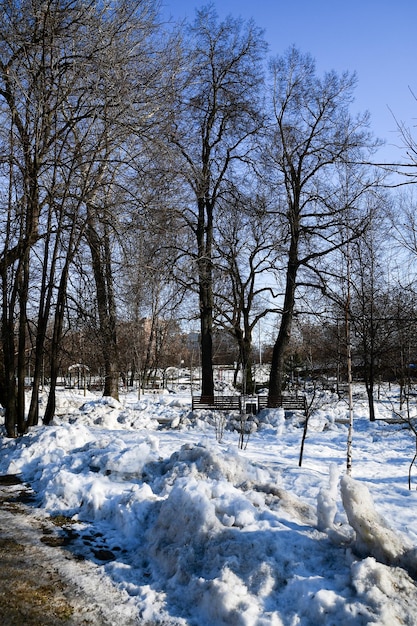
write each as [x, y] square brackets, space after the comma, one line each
[101, 263]
[244, 341]
[206, 326]
[33, 414]
[8, 382]
[23, 288]
[56, 343]
[369, 375]
[46, 290]
[276, 377]
[205, 277]
[371, 403]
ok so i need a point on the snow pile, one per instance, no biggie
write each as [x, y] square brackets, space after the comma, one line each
[327, 501]
[200, 533]
[390, 593]
[373, 535]
[108, 413]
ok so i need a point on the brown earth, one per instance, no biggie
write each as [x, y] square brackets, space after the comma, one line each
[35, 590]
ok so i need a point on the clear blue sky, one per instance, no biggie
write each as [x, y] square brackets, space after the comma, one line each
[375, 38]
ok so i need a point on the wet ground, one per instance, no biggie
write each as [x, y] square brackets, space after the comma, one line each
[42, 582]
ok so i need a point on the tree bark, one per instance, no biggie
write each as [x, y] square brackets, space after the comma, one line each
[106, 306]
[244, 341]
[56, 343]
[277, 374]
[21, 344]
[206, 300]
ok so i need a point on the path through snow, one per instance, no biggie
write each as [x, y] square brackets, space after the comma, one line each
[43, 583]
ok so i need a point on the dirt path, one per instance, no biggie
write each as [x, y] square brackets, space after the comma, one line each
[42, 584]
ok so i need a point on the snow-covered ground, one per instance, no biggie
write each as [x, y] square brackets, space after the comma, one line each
[193, 531]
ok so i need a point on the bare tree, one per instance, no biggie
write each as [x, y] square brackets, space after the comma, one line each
[216, 116]
[38, 69]
[312, 136]
[370, 303]
[67, 105]
[122, 79]
[246, 250]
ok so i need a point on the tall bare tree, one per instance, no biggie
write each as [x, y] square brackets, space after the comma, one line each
[217, 113]
[38, 70]
[371, 301]
[312, 137]
[67, 105]
[246, 255]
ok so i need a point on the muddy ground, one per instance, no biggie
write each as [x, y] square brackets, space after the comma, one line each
[41, 580]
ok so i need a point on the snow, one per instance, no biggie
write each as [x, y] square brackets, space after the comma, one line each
[193, 531]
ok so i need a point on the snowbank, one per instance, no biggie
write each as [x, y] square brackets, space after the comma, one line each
[200, 533]
[374, 537]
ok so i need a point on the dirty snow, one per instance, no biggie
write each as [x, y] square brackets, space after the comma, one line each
[193, 531]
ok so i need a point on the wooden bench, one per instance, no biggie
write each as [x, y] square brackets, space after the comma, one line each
[288, 403]
[218, 403]
[252, 405]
